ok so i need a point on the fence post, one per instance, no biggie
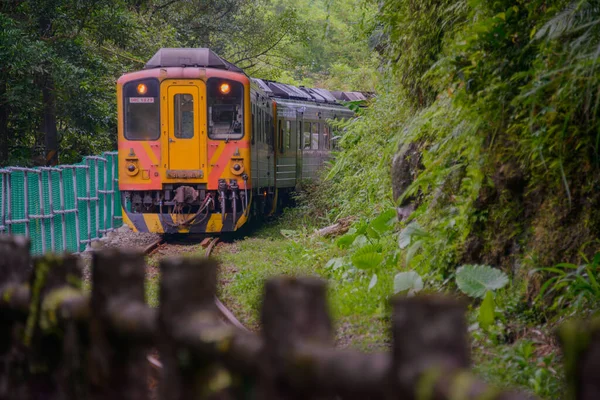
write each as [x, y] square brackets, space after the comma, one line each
[431, 353]
[26, 204]
[581, 348]
[15, 269]
[119, 323]
[188, 287]
[3, 197]
[294, 313]
[51, 206]
[8, 221]
[429, 343]
[63, 213]
[42, 212]
[53, 337]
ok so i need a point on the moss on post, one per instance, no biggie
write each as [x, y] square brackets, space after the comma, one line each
[581, 347]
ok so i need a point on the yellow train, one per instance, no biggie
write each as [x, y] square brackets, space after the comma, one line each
[202, 146]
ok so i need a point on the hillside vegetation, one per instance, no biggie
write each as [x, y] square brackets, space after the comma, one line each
[484, 141]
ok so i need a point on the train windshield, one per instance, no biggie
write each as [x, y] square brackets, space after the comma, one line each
[225, 109]
[141, 110]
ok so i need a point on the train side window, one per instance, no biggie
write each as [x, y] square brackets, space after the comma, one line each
[280, 136]
[271, 133]
[335, 139]
[315, 136]
[299, 135]
[253, 127]
[261, 118]
[263, 126]
[307, 135]
[287, 134]
[184, 115]
[326, 131]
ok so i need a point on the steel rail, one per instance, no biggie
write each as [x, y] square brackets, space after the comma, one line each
[223, 310]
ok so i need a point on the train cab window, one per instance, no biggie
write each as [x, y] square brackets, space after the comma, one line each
[315, 136]
[142, 110]
[287, 134]
[326, 132]
[184, 116]
[225, 100]
[307, 135]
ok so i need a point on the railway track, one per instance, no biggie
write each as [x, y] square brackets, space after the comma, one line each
[226, 314]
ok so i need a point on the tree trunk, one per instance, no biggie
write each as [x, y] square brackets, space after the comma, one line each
[4, 134]
[49, 122]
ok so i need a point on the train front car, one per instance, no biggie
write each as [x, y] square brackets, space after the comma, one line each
[184, 136]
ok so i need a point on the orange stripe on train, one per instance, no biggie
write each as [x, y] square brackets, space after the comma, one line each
[222, 161]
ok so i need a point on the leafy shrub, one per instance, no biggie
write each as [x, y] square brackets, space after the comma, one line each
[571, 284]
[477, 280]
[408, 283]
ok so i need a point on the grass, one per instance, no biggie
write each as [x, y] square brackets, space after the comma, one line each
[247, 263]
[519, 351]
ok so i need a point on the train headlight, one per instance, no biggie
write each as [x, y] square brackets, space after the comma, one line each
[225, 88]
[237, 168]
[132, 169]
[142, 88]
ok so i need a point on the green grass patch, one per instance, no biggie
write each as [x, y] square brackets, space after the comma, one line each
[246, 264]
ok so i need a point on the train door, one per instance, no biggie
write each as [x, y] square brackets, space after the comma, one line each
[185, 112]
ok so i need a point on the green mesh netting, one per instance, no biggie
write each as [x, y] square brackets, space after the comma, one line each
[39, 194]
[17, 201]
[2, 201]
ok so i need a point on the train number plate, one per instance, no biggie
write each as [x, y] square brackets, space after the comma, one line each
[185, 173]
[141, 99]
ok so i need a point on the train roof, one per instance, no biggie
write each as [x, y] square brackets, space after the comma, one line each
[189, 57]
[206, 58]
[284, 91]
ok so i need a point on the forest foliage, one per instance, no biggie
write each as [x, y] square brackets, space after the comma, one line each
[500, 98]
[487, 112]
[60, 59]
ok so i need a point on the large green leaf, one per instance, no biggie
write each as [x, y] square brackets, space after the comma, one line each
[334, 264]
[373, 281]
[408, 282]
[476, 280]
[413, 230]
[487, 311]
[360, 241]
[368, 257]
[367, 260]
[384, 222]
[345, 241]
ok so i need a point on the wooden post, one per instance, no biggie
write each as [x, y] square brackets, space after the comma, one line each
[15, 269]
[431, 353]
[119, 369]
[429, 337]
[581, 347]
[294, 314]
[188, 287]
[55, 342]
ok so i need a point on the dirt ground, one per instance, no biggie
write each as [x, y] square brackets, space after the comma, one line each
[122, 237]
